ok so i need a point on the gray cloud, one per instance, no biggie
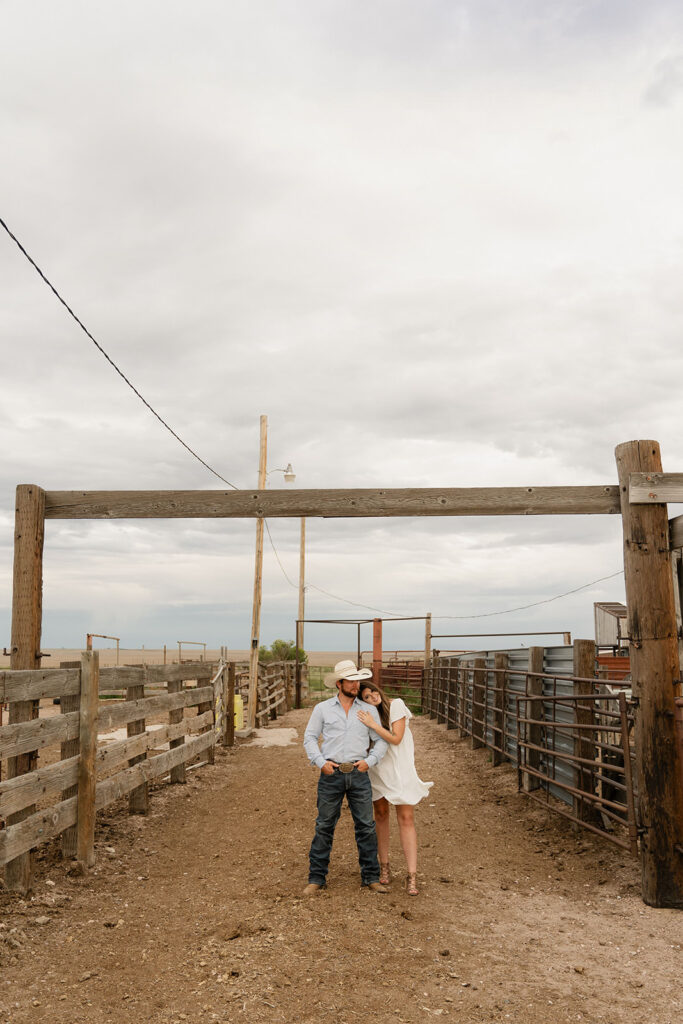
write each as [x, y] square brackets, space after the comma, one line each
[438, 244]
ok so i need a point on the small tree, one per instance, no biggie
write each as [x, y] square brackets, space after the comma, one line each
[281, 650]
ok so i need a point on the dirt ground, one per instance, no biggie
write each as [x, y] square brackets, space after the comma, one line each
[195, 913]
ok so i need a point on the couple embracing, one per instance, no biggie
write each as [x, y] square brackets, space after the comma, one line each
[367, 756]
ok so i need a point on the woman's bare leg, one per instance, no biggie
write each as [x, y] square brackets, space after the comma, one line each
[381, 808]
[405, 815]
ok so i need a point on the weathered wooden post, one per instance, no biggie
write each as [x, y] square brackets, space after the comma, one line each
[656, 680]
[535, 711]
[376, 651]
[27, 608]
[138, 798]
[87, 774]
[229, 682]
[69, 748]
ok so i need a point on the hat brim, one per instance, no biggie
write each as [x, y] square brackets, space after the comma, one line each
[330, 680]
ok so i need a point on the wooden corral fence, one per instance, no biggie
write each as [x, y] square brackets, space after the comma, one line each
[568, 733]
[78, 763]
[276, 688]
[639, 494]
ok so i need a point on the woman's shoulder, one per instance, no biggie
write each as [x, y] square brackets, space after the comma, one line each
[398, 709]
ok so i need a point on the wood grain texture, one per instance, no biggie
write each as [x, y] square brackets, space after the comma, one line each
[113, 715]
[27, 610]
[87, 776]
[38, 684]
[654, 488]
[23, 737]
[138, 799]
[123, 677]
[17, 840]
[334, 503]
[656, 673]
[111, 789]
[19, 793]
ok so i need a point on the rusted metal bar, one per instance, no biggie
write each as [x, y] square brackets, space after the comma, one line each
[624, 844]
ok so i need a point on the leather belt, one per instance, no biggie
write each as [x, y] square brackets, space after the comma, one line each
[346, 766]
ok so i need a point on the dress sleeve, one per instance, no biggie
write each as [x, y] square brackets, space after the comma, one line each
[398, 710]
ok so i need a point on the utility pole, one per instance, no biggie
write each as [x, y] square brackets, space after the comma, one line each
[258, 579]
[302, 586]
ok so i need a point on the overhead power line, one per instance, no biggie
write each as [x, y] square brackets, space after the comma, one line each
[111, 361]
[194, 454]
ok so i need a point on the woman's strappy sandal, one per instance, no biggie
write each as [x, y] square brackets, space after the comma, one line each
[384, 873]
[411, 884]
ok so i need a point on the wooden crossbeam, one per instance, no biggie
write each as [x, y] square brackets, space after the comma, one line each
[655, 488]
[334, 503]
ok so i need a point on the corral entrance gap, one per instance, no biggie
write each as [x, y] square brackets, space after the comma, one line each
[640, 497]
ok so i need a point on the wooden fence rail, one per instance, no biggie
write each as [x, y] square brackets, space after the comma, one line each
[86, 765]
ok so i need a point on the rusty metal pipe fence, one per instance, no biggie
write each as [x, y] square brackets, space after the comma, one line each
[568, 737]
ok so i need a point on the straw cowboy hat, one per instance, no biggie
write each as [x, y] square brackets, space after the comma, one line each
[345, 670]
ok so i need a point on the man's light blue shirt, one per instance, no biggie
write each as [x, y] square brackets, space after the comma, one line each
[345, 738]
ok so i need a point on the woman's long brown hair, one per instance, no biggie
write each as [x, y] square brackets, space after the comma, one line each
[383, 708]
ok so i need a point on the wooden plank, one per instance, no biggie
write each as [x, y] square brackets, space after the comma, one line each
[333, 503]
[69, 749]
[87, 778]
[111, 755]
[22, 737]
[17, 840]
[122, 677]
[38, 684]
[109, 790]
[19, 793]
[138, 800]
[115, 715]
[676, 532]
[656, 673]
[654, 488]
[27, 607]
[229, 678]
[176, 716]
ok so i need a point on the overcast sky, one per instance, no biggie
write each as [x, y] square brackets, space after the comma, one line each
[437, 243]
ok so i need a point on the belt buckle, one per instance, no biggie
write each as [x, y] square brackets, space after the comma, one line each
[345, 767]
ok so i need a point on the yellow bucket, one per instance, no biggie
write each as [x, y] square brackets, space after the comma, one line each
[239, 712]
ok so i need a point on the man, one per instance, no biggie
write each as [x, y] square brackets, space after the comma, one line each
[349, 748]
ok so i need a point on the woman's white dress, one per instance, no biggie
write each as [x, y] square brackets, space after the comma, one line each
[395, 777]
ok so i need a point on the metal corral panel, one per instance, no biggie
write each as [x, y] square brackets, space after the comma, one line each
[559, 661]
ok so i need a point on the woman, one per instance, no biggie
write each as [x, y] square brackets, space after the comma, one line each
[394, 780]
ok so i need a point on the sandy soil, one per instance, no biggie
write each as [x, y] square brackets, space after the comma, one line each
[195, 912]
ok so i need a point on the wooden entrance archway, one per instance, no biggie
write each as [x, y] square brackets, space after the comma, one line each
[640, 496]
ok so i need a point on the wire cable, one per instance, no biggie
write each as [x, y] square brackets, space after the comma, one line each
[311, 586]
[534, 604]
[111, 361]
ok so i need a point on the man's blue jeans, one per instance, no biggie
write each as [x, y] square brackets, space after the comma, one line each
[332, 789]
